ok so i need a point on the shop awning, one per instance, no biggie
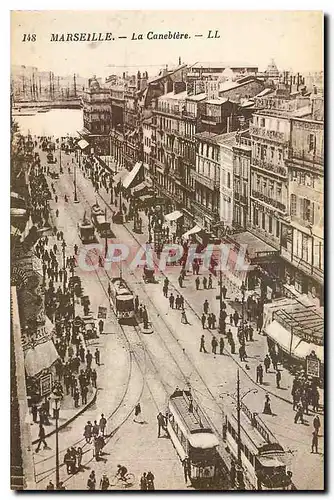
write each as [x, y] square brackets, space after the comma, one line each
[304, 349]
[83, 144]
[146, 197]
[282, 337]
[128, 181]
[140, 187]
[196, 229]
[174, 215]
[40, 357]
[120, 176]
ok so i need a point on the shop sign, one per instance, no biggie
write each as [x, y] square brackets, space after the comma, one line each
[313, 365]
[45, 384]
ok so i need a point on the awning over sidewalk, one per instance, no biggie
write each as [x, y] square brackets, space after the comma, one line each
[128, 181]
[255, 246]
[174, 216]
[282, 337]
[83, 144]
[40, 357]
[139, 188]
[196, 229]
[304, 349]
[120, 176]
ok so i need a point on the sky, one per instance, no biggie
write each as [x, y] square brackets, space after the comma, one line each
[294, 39]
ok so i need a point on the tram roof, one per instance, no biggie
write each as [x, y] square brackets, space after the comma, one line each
[194, 421]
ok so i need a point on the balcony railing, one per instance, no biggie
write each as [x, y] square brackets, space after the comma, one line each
[270, 201]
[271, 135]
[206, 181]
[271, 167]
[212, 119]
[303, 265]
[207, 211]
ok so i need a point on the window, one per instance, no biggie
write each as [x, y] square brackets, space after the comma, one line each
[263, 220]
[228, 179]
[272, 153]
[277, 229]
[270, 222]
[305, 247]
[306, 210]
[311, 142]
[262, 122]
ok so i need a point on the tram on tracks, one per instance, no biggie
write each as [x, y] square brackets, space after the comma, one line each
[100, 221]
[122, 299]
[86, 231]
[261, 454]
[193, 437]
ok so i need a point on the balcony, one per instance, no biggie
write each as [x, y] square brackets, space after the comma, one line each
[270, 167]
[211, 120]
[302, 265]
[206, 211]
[206, 181]
[270, 135]
[160, 165]
[241, 198]
[270, 201]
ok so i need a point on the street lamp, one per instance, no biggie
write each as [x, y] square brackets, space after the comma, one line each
[111, 190]
[56, 412]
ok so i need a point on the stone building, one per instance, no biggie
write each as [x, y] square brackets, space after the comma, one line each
[97, 116]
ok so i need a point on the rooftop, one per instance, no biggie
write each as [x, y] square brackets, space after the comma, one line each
[206, 64]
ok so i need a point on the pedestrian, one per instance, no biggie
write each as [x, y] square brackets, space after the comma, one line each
[224, 291]
[315, 440]
[138, 418]
[213, 321]
[315, 399]
[143, 482]
[259, 374]
[76, 249]
[161, 423]
[316, 424]
[68, 461]
[93, 377]
[202, 345]
[236, 318]
[203, 320]
[101, 326]
[165, 291]
[88, 432]
[91, 483]
[82, 353]
[267, 407]
[221, 345]
[242, 353]
[103, 424]
[184, 318]
[206, 306]
[231, 319]
[34, 412]
[299, 414]
[150, 481]
[205, 281]
[104, 483]
[180, 280]
[95, 429]
[233, 474]
[186, 469]
[97, 356]
[50, 486]
[197, 282]
[210, 282]
[278, 379]
[89, 358]
[171, 301]
[41, 436]
[266, 362]
[214, 345]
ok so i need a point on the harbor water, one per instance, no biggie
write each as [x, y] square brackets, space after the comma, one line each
[55, 122]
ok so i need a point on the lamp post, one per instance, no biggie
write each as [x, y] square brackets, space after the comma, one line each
[75, 184]
[111, 190]
[57, 441]
[64, 268]
[243, 291]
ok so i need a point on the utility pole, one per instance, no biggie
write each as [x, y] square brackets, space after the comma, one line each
[75, 86]
[106, 235]
[238, 419]
[57, 443]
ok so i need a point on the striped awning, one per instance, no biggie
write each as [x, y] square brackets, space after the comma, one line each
[128, 181]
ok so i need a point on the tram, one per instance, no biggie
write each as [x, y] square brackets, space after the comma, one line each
[193, 437]
[122, 299]
[86, 231]
[100, 221]
[261, 455]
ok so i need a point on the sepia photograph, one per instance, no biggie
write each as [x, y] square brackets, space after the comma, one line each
[167, 250]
